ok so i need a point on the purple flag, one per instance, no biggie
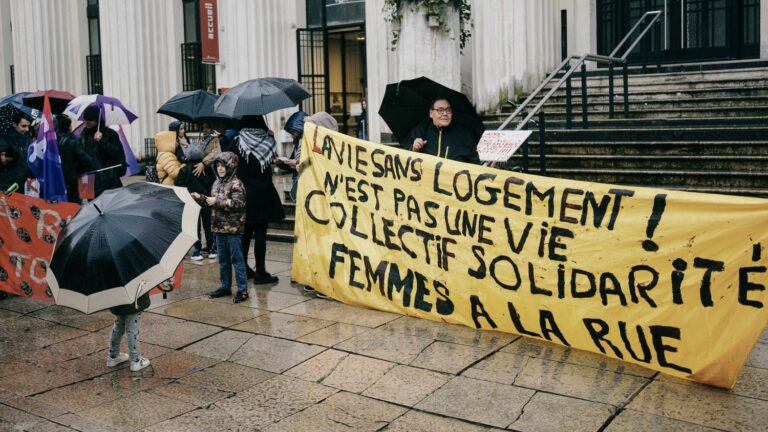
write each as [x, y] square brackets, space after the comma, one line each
[44, 160]
[130, 158]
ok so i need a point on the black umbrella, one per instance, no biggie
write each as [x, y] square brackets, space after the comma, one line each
[57, 98]
[122, 245]
[11, 105]
[191, 106]
[407, 103]
[260, 96]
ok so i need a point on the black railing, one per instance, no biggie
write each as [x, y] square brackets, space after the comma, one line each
[150, 151]
[93, 67]
[13, 80]
[195, 74]
[564, 71]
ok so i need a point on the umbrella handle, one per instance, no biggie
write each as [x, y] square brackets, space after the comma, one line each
[14, 187]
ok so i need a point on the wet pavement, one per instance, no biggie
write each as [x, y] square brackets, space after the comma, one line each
[289, 361]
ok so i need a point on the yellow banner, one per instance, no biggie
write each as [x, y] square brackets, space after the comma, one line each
[672, 281]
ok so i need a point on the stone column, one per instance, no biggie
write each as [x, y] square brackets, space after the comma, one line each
[50, 41]
[429, 51]
[764, 29]
[6, 47]
[141, 60]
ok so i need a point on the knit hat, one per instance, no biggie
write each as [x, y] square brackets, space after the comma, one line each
[91, 113]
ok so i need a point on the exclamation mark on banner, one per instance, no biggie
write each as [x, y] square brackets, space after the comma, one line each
[659, 204]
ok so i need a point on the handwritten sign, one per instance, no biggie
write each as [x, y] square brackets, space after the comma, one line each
[499, 146]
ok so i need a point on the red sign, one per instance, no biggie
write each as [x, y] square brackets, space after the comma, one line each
[209, 31]
[29, 228]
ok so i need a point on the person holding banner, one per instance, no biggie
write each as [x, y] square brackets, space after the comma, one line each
[438, 135]
[103, 145]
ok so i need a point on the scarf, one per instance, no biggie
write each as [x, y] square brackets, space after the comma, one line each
[259, 144]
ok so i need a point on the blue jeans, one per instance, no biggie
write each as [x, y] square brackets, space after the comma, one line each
[231, 254]
[128, 324]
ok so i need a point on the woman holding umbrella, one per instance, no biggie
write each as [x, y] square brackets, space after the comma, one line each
[256, 148]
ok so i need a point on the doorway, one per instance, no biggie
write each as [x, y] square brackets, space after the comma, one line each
[347, 78]
[690, 30]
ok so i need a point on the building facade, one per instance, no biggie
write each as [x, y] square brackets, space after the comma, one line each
[145, 51]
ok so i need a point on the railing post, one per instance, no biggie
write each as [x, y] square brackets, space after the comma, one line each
[658, 46]
[626, 91]
[644, 54]
[542, 142]
[568, 103]
[584, 114]
[524, 148]
[610, 90]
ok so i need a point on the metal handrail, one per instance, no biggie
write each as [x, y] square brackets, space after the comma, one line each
[611, 59]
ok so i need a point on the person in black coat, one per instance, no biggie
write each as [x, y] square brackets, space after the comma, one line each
[103, 145]
[74, 160]
[256, 149]
[12, 166]
[438, 135]
[202, 185]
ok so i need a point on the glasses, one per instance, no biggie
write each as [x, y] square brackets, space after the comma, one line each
[442, 110]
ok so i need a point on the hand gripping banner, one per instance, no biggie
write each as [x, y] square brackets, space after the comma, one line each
[672, 281]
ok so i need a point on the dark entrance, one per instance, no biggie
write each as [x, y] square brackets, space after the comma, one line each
[690, 30]
[332, 60]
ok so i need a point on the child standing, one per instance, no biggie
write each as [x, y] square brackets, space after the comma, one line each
[227, 223]
[127, 321]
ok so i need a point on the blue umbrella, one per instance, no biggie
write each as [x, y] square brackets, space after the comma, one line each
[11, 105]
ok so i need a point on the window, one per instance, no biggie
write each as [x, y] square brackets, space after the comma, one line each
[93, 60]
[195, 74]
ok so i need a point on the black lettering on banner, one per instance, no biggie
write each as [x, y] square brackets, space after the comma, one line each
[517, 247]
[495, 274]
[354, 257]
[549, 327]
[436, 181]
[378, 275]
[327, 146]
[360, 160]
[618, 195]
[378, 167]
[480, 271]
[646, 358]
[397, 284]
[428, 206]
[400, 234]
[307, 208]
[592, 285]
[493, 192]
[677, 279]
[444, 304]
[599, 210]
[706, 281]
[421, 291]
[509, 195]
[532, 281]
[547, 196]
[336, 249]
[518, 323]
[599, 335]
[478, 310]
[745, 286]
[641, 288]
[565, 205]
[353, 228]
[658, 333]
[465, 196]
[555, 244]
[349, 188]
[607, 279]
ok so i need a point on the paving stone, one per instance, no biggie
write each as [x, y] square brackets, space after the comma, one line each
[177, 364]
[452, 333]
[759, 356]
[221, 345]
[23, 305]
[336, 311]
[273, 400]
[81, 423]
[14, 365]
[341, 412]
[268, 300]
[630, 421]
[209, 312]
[282, 325]
[752, 382]
[415, 421]
[272, 354]
[6, 314]
[449, 357]
[356, 373]
[73, 318]
[35, 407]
[198, 395]
[49, 426]
[136, 411]
[228, 377]
[171, 332]
[406, 385]
[548, 412]
[18, 419]
[87, 394]
[380, 344]
[212, 418]
[702, 405]
[499, 367]
[478, 401]
[579, 381]
[319, 366]
[549, 351]
[40, 380]
[333, 334]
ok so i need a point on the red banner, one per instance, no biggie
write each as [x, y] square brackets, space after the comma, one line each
[209, 31]
[29, 228]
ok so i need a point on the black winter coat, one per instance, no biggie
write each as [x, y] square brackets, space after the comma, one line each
[262, 203]
[454, 142]
[186, 178]
[14, 172]
[105, 154]
[142, 303]
[74, 162]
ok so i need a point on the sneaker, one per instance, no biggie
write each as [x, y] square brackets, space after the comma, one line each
[308, 289]
[249, 272]
[139, 365]
[219, 293]
[240, 297]
[321, 295]
[264, 278]
[213, 255]
[197, 257]
[121, 358]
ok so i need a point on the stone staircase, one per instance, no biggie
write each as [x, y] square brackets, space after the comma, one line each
[704, 131]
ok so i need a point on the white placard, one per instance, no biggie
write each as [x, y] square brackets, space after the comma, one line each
[499, 146]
